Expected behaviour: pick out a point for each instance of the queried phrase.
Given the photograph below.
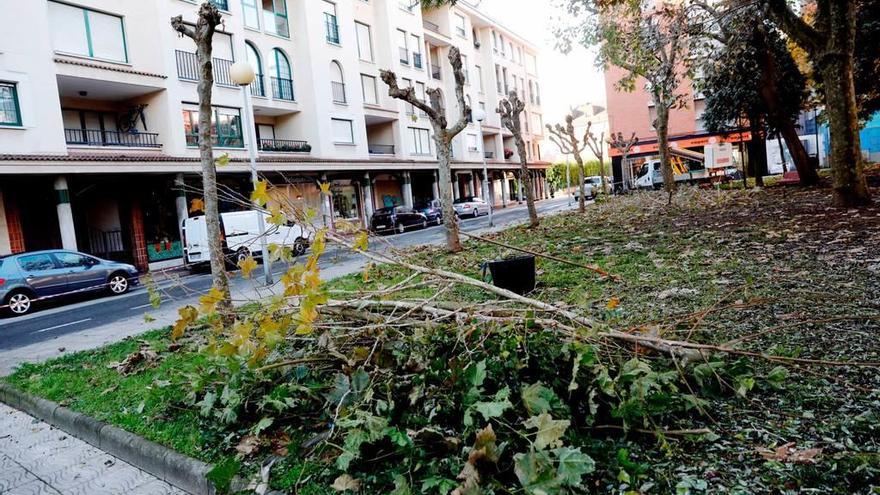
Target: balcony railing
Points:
(332, 28)
(285, 146)
(404, 55)
(431, 26)
(258, 87)
(489, 155)
(381, 149)
(282, 89)
(417, 60)
(188, 68)
(338, 91)
(435, 72)
(97, 137)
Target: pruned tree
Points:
(567, 142)
(511, 110)
(751, 75)
(649, 44)
(203, 35)
(597, 146)
(443, 134)
(829, 43)
(623, 146)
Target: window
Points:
(495, 41)
(479, 71)
(472, 143)
(401, 47)
(417, 52)
(460, 26)
(282, 81)
(537, 94)
(86, 32)
(343, 131)
(422, 93)
(532, 92)
(253, 56)
(370, 89)
(365, 41)
(36, 263)
(498, 83)
(465, 68)
(251, 13)
(72, 260)
(226, 133)
(407, 83)
(10, 112)
(331, 24)
(506, 81)
(470, 115)
(337, 82)
(420, 140)
(275, 17)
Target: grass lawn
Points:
(794, 278)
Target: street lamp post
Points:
(480, 115)
(243, 75)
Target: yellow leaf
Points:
(197, 205)
(613, 303)
(222, 160)
(260, 196)
(276, 217)
(188, 316)
(208, 302)
(247, 265)
(325, 188)
(362, 241)
(366, 273)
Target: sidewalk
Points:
(36, 458)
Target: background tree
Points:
(623, 146)
(203, 34)
(829, 43)
(511, 111)
(749, 74)
(443, 134)
(567, 142)
(649, 45)
(597, 146)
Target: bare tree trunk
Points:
(663, 146)
(453, 240)
(850, 186)
(582, 205)
(527, 180)
(782, 153)
(202, 34)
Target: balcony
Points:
(188, 68)
(435, 72)
(489, 155)
(285, 146)
(282, 89)
(381, 149)
(431, 26)
(98, 137)
(258, 88)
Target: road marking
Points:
(64, 325)
(142, 306)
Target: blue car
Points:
(29, 277)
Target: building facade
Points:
(99, 114)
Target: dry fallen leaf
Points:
(786, 453)
(248, 445)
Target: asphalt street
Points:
(85, 312)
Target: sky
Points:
(566, 80)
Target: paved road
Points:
(88, 313)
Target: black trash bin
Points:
(516, 274)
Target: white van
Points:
(240, 237)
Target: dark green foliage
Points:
(867, 64)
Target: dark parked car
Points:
(397, 218)
(29, 277)
(432, 211)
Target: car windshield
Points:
(384, 211)
(422, 206)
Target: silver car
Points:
(26, 278)
(470, 206)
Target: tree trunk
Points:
(782, 153)
(663, 146)
(453, 241)
(757, 149)
(850, 187)
(209, 175)
(582, 206)
(526, 177)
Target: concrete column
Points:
(519, 188)
(477, 184)
(546, 184)
(455, 186)
(492, 197)
(435, 187)
(65, 214)
(407, 190)
(180, 203)
(367, 184)
(327, 206)
(505, 189)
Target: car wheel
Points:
(425, 223)
(401, 228)
(439, 220)
(19, 303)
(241, 255)
(299, 247)
(118, 284)
(476, 213)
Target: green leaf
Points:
(538, 399)
(476, 374)
(536, 473)
(549, 431)
(401, 486)
(262, 425)
(491, 409)
(777, 376)
(572, 465)
(744, 385)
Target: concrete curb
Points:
(172, 467)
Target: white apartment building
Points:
(99, 114)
